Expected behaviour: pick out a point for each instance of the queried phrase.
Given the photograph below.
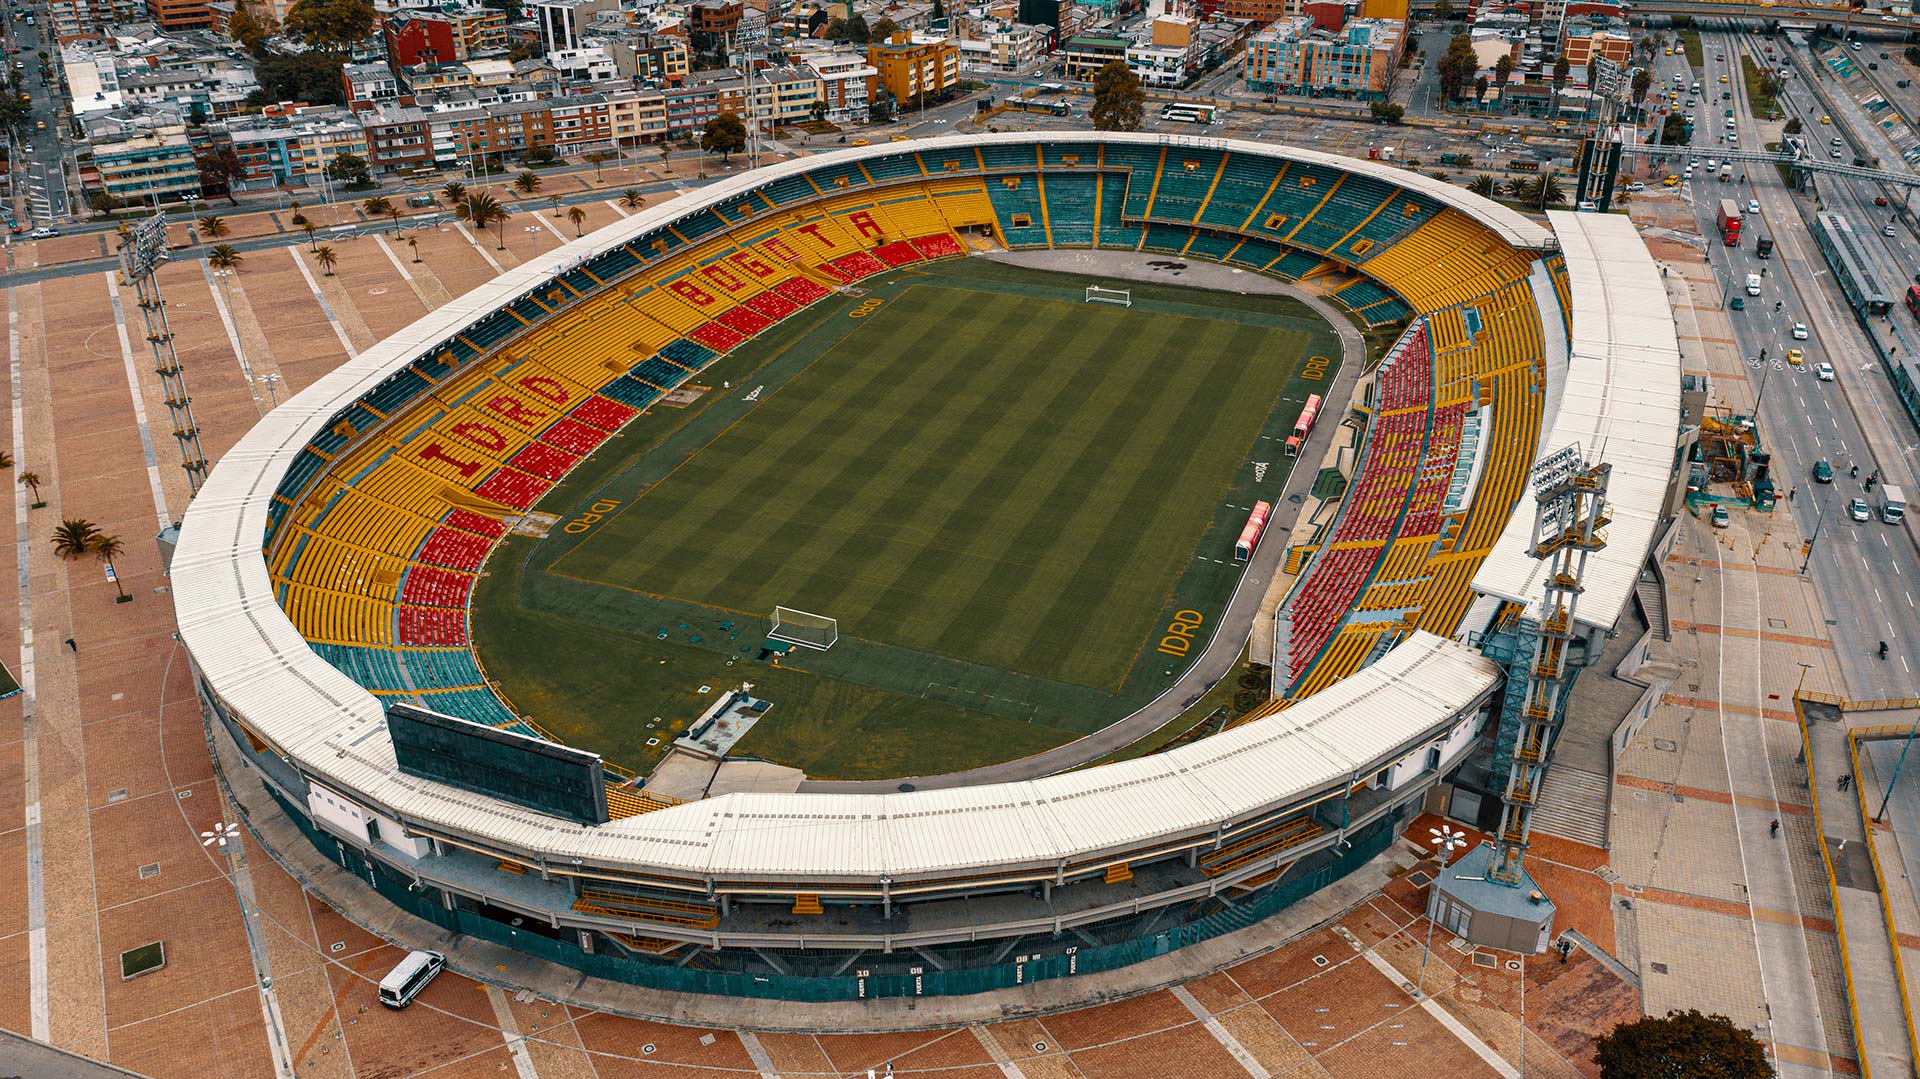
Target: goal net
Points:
(1121, 296)
(804, 629)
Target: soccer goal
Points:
(806, 630)
(1121, 296)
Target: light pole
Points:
(533, 235)
(1895, 778)
(273, 396)
(1446, 840)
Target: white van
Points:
(405, 981)
(1753, 284)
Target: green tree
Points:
(1642, 82)
(1387, 112)
(480, 209)
(196, 115)
(213, 227)
(376, 206)
(885, 29)
(310, 228)
(527, 183)
(31, 481)
(725, 135)
(1484, 186)
(857, 30)
(219, 167)
(351, 170)
(1682, 1045)
(1503, 71)
(103, 203)
(74, 538)
(333, 25)
(1480, 90)
(312, 76)
(1793, 126)
(632, 199)
(325, 256)
(597, 159)
(1457, 67)
(224, 257)
(453, 191)
(1117, 100)
(880, 109)
(578, 216)
(1549, 191)
(105, 549)
(242, 27)
(1443, 10)
(1560, 73)
(1520, 189)
(1673, 132)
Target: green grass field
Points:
(1001, 493)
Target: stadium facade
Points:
(323, 571)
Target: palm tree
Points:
(376, 206)
(666, 156)
(1518, 188)
(224, 257)
(6, 459)
(326, 258)
(396, 213)
(454, 191)
(481, 209)
(1441, 175)
(74, 539)
(527, 183)
(576, 215)
(106, 548)
(1549, 190)
(597, 159)
(309, 228)
(632, 199)
(32, 480)
(1484, 186)
(414, 243)
(555, 199)
(213, 227)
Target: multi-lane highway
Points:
(1868, 572)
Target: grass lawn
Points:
(1690, 40)
(1016, 507)
(1001, 492)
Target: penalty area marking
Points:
(940, 691)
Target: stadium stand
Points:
(385, 506)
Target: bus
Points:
(1187, 112)
(1303, 426)
(1913, 300)
(1052, 108)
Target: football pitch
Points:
(1000, 492)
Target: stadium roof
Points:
(261, 668)
(1621, 405)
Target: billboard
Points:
(541, 775)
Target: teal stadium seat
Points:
(1024, 198)
(1184, 190)
(1070, 209)
(1243, 183)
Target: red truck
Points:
(1730, 222)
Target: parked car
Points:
(1824, 370)
(44, 232)
(1823, 471)
(1857, 509)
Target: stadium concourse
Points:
(323, 572)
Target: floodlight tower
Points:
(143, 247)
(1569, 524)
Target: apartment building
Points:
(442, 35)
(180, 15)
(1297, 56)
(907, 67)
(72, 18)
(700, 97)
(654, 58)
(844, 81)
(563, 23)
(146, 166)
(1085, 54)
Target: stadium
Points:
(324, 574)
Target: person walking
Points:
(1773, 828)
(70, 644)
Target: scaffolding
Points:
(143, 247)
(1569, 525)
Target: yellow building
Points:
(909, 68)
